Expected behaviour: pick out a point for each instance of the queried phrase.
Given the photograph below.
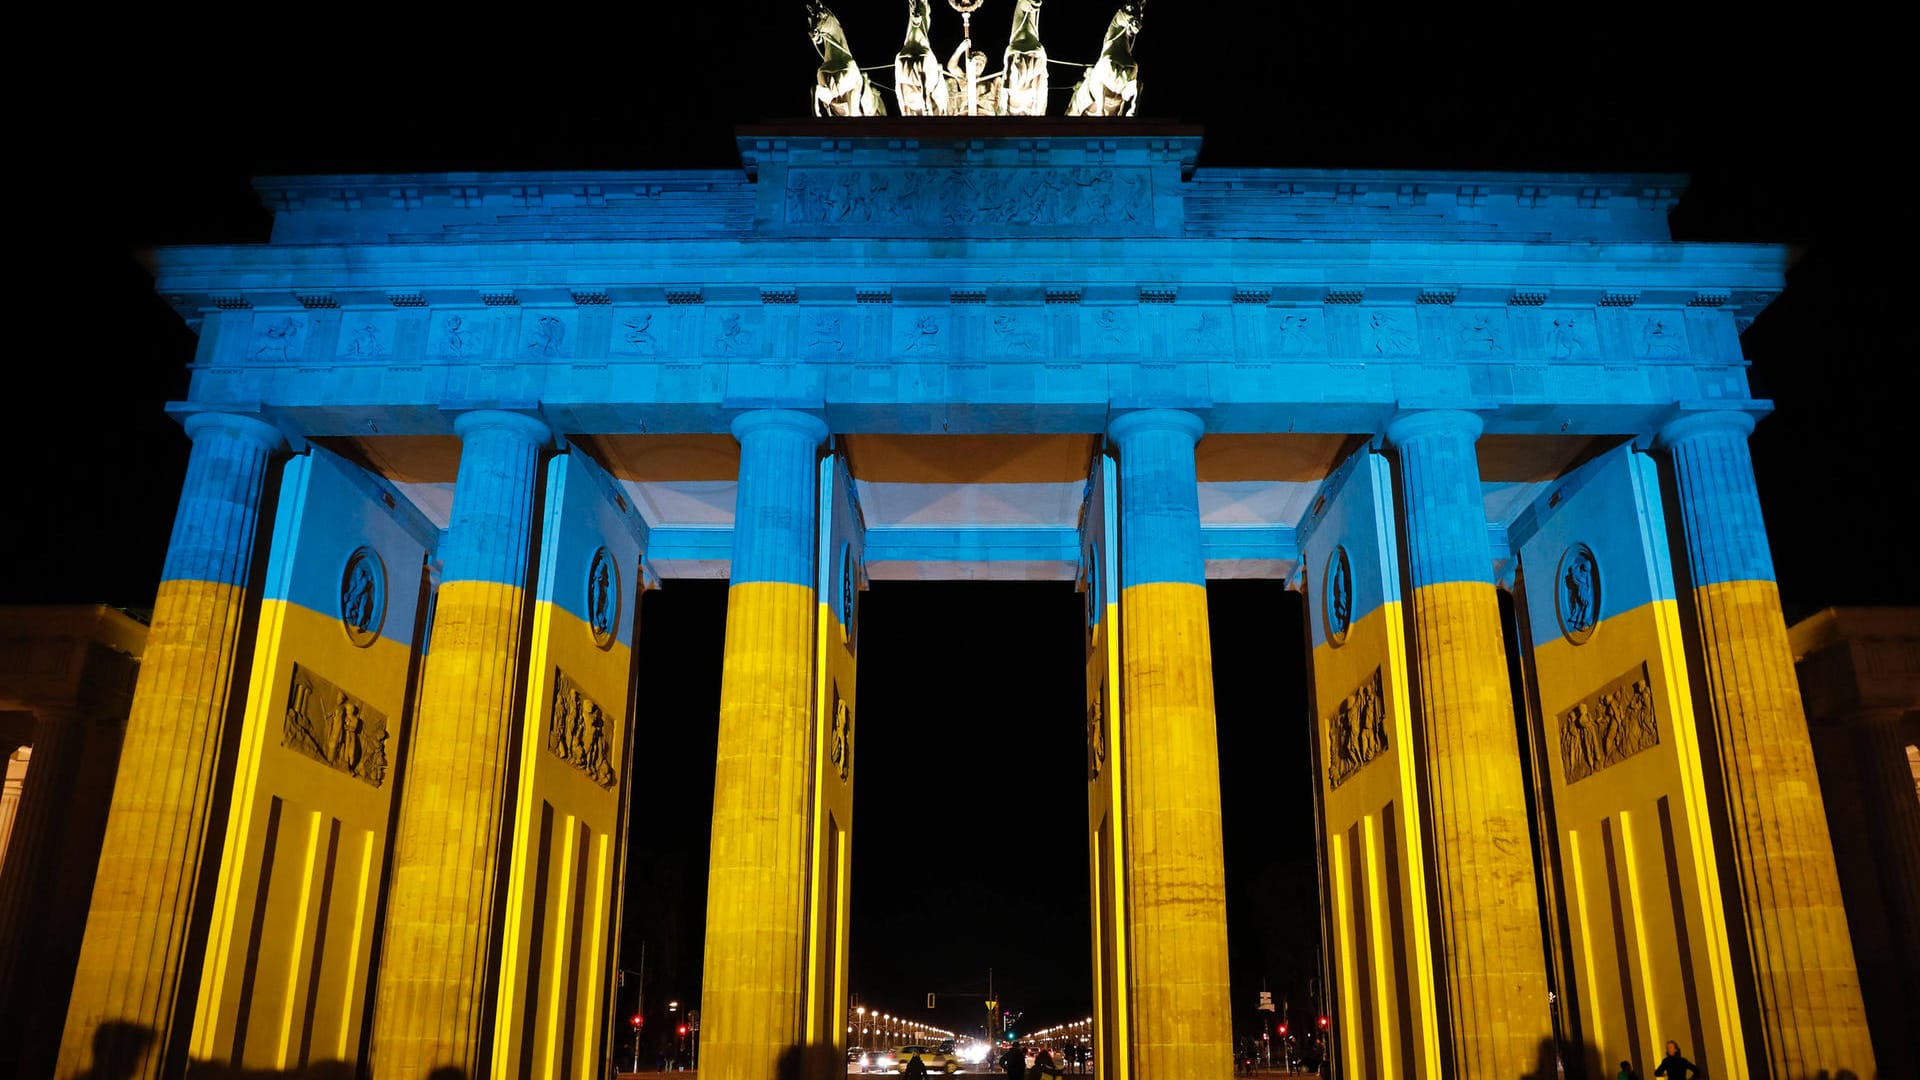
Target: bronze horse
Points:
(840, 88)
(1111, 86)
(918, 84)
(1023, 87)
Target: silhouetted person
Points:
(1014, 1062)
(1626, 1072)
(1043, 1066)
(916, 1069)
(1675, 1067)
(118, 1050)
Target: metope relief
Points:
(1387, 333)
(951, 197)
(1570, 335)
(366, 336)
(278, 338)
(1097, 734)
(1299, 332)
(924, 333)
(334, 728)
(1610, 726)
(1658, 334)
(546, 334)
(1357, 733)
(636, 333)
(1479, 332)
(577, 731)
(458, 335)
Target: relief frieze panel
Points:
(331, 726)
(1357, 731)
(1021, 198)
(1609, 726)
(577, 731)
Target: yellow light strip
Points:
(301, 937)
(350, 988)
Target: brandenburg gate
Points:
(448, 428)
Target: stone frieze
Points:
(1609, 726)
(335, 728)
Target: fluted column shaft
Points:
(1811, 1013)
(1491, 957)
(144, 895)
(430, 1005)
(752, 993)
(1176, 869)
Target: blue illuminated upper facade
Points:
(1027, 278)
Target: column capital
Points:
(236, 424)
(760, 419)
(1719, 422)
(1407, 426)
(1127, 425)
(531, 428)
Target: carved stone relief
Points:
(366, 336)
(1357, 732)
(603, 598)
(1570, 335)
(1577, 593)
(1029, 197)
(1016, 333)
(458, 335)
(1658, 333)
(1610, 726)
(924, 334)
(840, 740)
(1479, 332)
(363, 596)
(636, 334)
(1097, 734)
(577, 731)
(278, 337)
(546, 335)
(334, 728)
(1387, 333)
(1300, 333)
(1338, 600)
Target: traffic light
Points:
(1283, 1029)
(637, 1021)
(1323, 1023)
(683, 1031)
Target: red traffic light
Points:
(637, 1021)
(1323, 1021)
(683, 1029)
(1283, 1029)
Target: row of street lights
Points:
(864, 1024)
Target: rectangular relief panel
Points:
(556, 950)
(1645, 956)
(840, 577)
(285, 980)
(1100, 586)
(1385, 1014)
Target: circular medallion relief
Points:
(1337, 607)
(363, 596)
(848, 588)
(603, 597)
(1577, 593)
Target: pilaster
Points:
(146, 897)
(1175, 870)
(430, 1009)
(1811, 1015)
(752, 992)
(1492, 964)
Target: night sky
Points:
(970, 811)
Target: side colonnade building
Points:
(447, 428)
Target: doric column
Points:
(15, 764)
(752, 992)
(1176, 871)
(433, 978)
(1808, 990)
(144, 895)
(1487, 909)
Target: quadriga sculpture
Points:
(918, 83)
(840, 89)
(1111, 86)
(1023, 85)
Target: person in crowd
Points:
(1674, 1066)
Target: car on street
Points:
(935, 1059)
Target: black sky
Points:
(1789, 121)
